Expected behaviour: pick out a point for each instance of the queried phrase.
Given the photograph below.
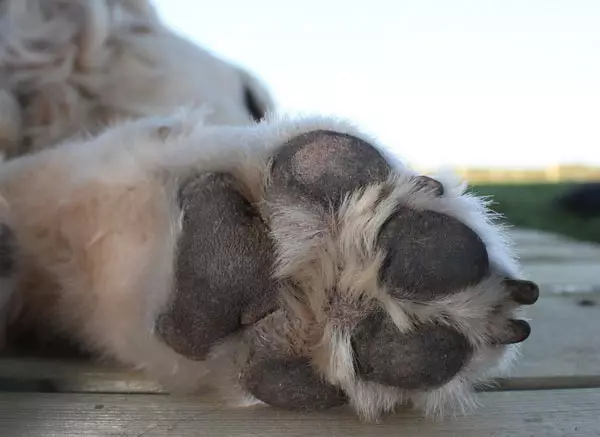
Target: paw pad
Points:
(223, 267)
(281, 378)
(429, 254)
(423, 358)
(324, 166)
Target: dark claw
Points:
(425, 182)
(523, 292)
(517, 332)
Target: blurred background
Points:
(504, 92)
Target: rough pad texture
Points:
(281, 377)
(424, 358)
(323, 166)
(430, 255)
(223, 271)
(291, 384)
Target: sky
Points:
(495, 83)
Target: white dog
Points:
(289, 262)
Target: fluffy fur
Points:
(95, 216)
(71, 67)
(97, 225)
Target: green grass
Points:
(530, 205)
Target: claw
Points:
(517, 332)
(523, 292)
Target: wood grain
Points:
(532, 237)
(538, 413)
(564, 339)
(71, 376)
(557, 262)
(564, 345)
(550, 274)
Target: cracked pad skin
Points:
(223, 267)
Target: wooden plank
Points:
(564, 340)
(541, 247)
(558, 264)
(564, 348)
(525, 413)
(563, 351)
(526, 236)
(562, 252)
(51, 375)
(572, 274)
(573, 289)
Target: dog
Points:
(286, 261)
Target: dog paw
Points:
(397, 291)
(351, 282)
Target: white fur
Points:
(87, 201)
(77, 65)
(120, 110)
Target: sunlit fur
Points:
(71, 67)
(97, 221)
(97, 224)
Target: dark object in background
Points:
(582, 200)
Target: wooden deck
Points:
(554, 391)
